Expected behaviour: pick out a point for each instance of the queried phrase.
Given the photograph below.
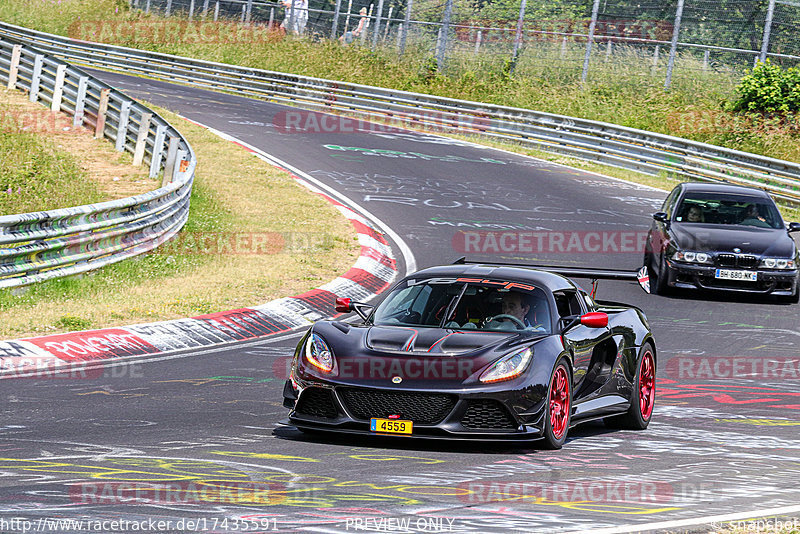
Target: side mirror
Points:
(660, 216)
(344, 305)
(595, 320)
(794, 227)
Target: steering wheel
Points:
(505, 316)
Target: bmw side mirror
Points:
(660, 216)
(794, 227)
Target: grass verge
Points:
(46, 163)
(240, 247)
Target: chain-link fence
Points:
(568, 40)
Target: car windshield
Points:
(465, 304)
(740, 210)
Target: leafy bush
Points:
(770, 89)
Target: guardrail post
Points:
(58, 89)
(608, 50)
(376, 32)
(172, 156)
(147, 7)
(36, 77)
(564, 47)
(249, 11)
(80, 101)
(674, 46)
(767, 30)
(271, 17)
(122, 127)
(191, 9)
(205, 9)
(158, 151)
(183, 163)
(216, 11)
(590, 40)
(335, 24)
(13, 70)
(141, 138)
(102, 110)
(478, 41)
(406, 26)
(168, 11)
(706, 55)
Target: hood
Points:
(423, 357)
(721, 238)
(431, 340)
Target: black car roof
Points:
(723, 188)
(540, 278)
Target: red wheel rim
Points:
(647, 385)
(559, 402)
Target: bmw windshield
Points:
(738, 210)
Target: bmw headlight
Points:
(777, 263)
(318, 353)
(693, 257)
(509, 366)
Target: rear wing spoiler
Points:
(641, 276)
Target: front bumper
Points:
(478, 415)
(690, 276)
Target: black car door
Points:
(580, 340)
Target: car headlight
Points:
(777, 263)
(509, 366)
(318, 353)
(692, 257)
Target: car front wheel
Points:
(559, 406)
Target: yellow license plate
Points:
(391, 426)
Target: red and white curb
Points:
(371, 274)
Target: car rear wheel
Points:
(559, 406)
(643, 398)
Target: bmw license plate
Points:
(726, 274)
(391, 426)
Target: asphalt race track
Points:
(206, 423)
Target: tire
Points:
(558, 412)
(660, 287)
(643, 397)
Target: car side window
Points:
(568, 303)
(669, 204)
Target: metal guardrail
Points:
(642, 151)
(51, 244)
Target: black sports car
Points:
(724, 237)
(482, 351)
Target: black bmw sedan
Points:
(722, 237)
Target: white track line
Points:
(408, 256)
